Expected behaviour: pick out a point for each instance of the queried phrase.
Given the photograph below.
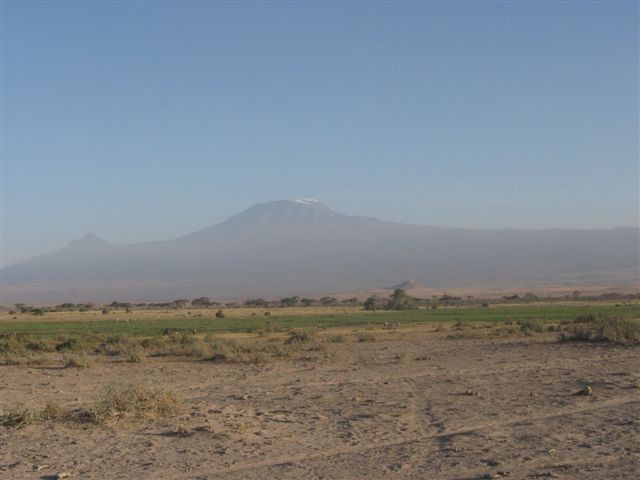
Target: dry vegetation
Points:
(119, 402)
(83, 350)
(590, 328)
(520, 398)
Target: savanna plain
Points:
(500, 391)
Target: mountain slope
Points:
(303, 247)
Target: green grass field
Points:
(151, 325)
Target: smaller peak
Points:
(88, 240)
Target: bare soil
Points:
(410, 404)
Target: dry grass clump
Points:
(531, 326)
(135, 354)
(76, 361)
(77, 351)
(365, 337)
(12, 359)
(16, 347)
(335, 339)
(619, 330)
(22, 416)
(132, 401)
(298, 336)
(122, 401)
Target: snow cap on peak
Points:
(306, 201)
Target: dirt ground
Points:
(407, 405)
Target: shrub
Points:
(220, 313)
(135, 354)
(588, 318)
(270, 327)
(335, 339)
(68, 344)
(297, 336)
(76, 361)
(618, 330)
(365, 337)
(529, 326)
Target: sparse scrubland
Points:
(526, 391)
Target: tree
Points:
(329, 301)
(181, 302)
(256, 302)
(352, 302)
(372, 303)
(22, 308)
(201, 302)
(289, 301)
(400, 300)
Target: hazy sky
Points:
(146, 121)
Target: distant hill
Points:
(408, 285)
(302, 247)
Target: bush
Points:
(76, 361)
(135, 354)
(619, 330)
(220, 313)
(529, 326)
(297, 336)
(588, 318)
(335, 339)
(365, 337)
(68, 344)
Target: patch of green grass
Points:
(150, 327)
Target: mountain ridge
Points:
(303, 246)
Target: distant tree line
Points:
(399, 300)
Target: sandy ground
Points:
(370, 410)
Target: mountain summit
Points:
(283, 212)
(303, 247)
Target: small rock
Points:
(585, 391)
(471, 393)
(62, 475)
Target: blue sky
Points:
(146, 121)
